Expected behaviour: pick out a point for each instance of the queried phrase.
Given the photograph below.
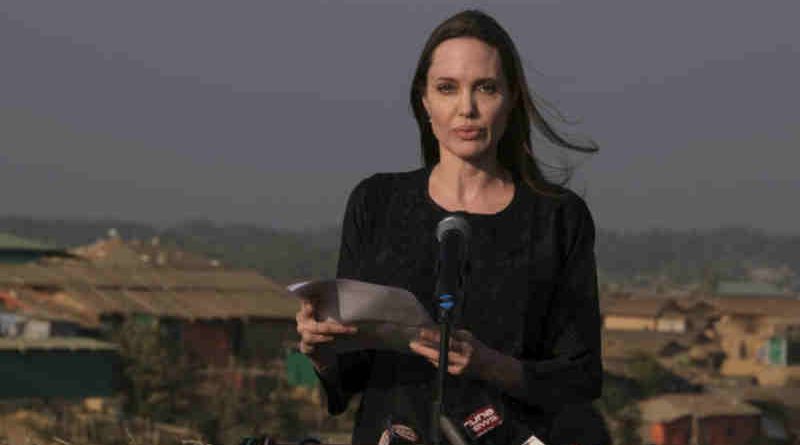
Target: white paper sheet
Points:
(387, 317)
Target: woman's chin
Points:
(469, 151)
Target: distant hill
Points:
(691, 255)
(680, 256)
(282, 255)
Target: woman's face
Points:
(467, 98)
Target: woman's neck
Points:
(466, 185)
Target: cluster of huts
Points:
(58, 309)
(738, 344)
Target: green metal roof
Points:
(55, 343)
(13, 242)
(748, 288)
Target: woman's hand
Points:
(315, 333)
(466, 356)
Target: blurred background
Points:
(167, 167)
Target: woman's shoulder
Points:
(385, 181)
(563, 213)
(559, 199)
(372, 191)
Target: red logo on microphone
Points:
(482, 421)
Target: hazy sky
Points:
(269, 112)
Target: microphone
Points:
(453, 233)
(398, 434)
(451, 432)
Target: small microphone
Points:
(453, 233)
(398, 434)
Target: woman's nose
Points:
(466, 105)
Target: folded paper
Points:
(386, 317)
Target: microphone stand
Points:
(446, 304)
(453, 232)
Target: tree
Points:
(648, 372)
(158, 379)
(629, 422)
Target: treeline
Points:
(692, 256)
(681, 256)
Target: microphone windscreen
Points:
(453, 222)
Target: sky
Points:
(270, 112)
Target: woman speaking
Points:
(529, 337)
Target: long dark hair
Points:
(514, 150)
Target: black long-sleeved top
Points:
(531, 293)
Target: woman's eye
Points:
(488, 88)
(445, 88)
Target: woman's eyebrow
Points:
(481, 80)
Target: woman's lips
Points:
(470, 133)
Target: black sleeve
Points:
(568, 367)
(351, 372)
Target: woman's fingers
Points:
(423, 350)
(327, 327)
(306, 322)
(314, 332)
(306, 306)
(309, 340)
(432, 354)
(459, 356)
(324, 328)
(332, 326)
(459, 342)
(429, 335)
(306, 312)
(316, 338)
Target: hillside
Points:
(677, 256)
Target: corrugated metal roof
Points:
(745, 305)
(762, 306)
(646, 306)
(83, 290)
(748, 288)
(81, 295)
(56, 307)
(55, 343)
(668, 407)
(78, 274)
(13, 242)
(86, 307)
(118, 252)
(620, 344)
